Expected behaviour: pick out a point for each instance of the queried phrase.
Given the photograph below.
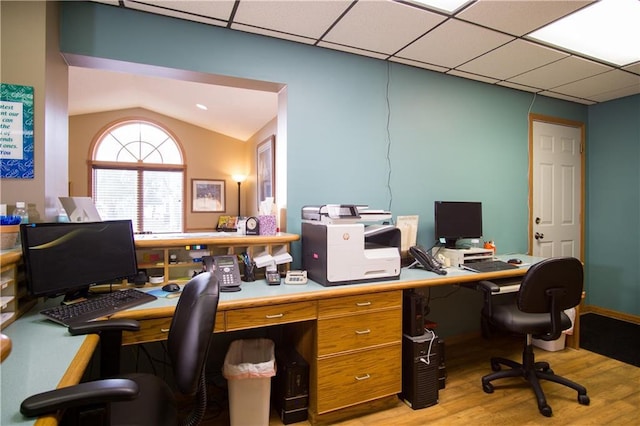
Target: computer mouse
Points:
(171, 287)
(514, 261)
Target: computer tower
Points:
(420, 370)
(412, 313)
(442, 370)
(290, 387)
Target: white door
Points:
(556, 188)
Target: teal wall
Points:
(613, 205)
(447, 138)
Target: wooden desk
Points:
(42, 350)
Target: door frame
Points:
(563, 122)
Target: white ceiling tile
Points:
(519, 17)
(472, 76)
(111, 2)
(518, 86)
(512, 59)
(382, 26)
(418, 64)
(633, 68)
(453, 43)
(560, 72)
(208, 12)
(566, 98)
(348, 49)
(603, 86)
(275, 34)
(303, 18)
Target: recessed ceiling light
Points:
(202, 107)
(607, 30)
(443, 5)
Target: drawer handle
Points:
(365, 377)
(363, 304)
(361, 332)
(274, 316)
(164, 330)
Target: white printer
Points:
(337, 248)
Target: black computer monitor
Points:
(455, 220)
(67, 258)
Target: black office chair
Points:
(548, 288)
(145, 399)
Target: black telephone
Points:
(427, 261)
(226, 269)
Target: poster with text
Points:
(16, 131)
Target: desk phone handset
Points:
(226, 270)
(427, 261)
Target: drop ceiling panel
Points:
(384, 27)
(453, 43)
(304, 18)
(602, 86)
(566, 97)
(633, 68)
(512, 59)
(270, 33)
(472, 76)
(519, 17)
(208, 12)
(418, 64)
(560, 72)
(353, 50)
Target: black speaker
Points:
(420, 370)
(412, 313)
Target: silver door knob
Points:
(538, 236)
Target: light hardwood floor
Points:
(612, 386)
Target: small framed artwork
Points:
(265, 168)
(208, 196)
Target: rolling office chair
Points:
(548, 288)
(145, 399)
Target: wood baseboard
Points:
(635, 319)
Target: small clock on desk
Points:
(253, 226)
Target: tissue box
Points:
(267, 224)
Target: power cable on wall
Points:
(389, 137)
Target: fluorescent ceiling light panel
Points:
(608, 30)
(443, 5)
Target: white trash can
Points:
(248, 368)
(559, 343)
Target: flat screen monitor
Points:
(66, 258)
(455, 220)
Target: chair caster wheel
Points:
(545, 411)
(487, 387)
(584, 399)
(495, 366)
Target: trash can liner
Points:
(250, 359)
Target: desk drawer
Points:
(156, 329)
(238, 319)
(359, 331)
(355, 378)
(359, 303)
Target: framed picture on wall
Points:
(207, 196)
(265, 169)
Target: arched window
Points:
(138, 174)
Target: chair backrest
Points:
(192, 329)
(563, 273)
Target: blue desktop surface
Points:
(42, 350)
